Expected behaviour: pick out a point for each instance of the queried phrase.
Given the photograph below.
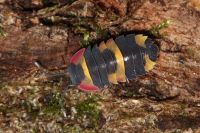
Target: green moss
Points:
(48, 9)
(2, 31)
(89, 131)
(54, 105)
(1, 86)
(72, 129)
(91, 36)
(35, 130)
(32, 111)
(89, 108)
(114, 17)
(155, 30)
(129, 93)
(101, 33)
(183, 111)
(76, 129)
(125, 115)
(86, 39)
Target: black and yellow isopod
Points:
(116, 60)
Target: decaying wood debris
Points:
(167, 99)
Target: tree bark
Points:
(34, 31)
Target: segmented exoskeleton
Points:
(116, 60)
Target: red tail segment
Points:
(88, 88)
(77, 56)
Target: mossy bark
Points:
(51, 32)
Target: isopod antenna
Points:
(52, 75)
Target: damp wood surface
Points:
(167, 99)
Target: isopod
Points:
(116, 60)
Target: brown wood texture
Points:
(34, 31)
